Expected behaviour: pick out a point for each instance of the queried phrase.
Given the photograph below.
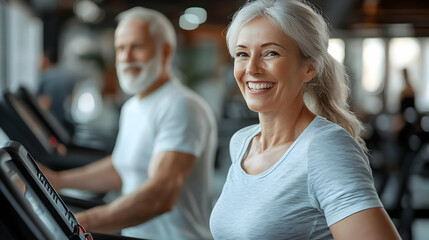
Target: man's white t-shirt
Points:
(172, 118)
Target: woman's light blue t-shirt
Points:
(322, 178)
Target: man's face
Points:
(134, 43)
(138, 63)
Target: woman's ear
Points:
(310, 70)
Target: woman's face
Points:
(268, 67)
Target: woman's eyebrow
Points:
(263, 45)
(271, 43)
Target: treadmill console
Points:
(32, 208)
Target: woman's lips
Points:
(260, 87)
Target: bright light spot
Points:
(191, 18)
(86, 103)
(373, 64)
(88, 11)
(200, 13)
(185, 24)
(403, 51)
(337, 49)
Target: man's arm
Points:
(168, 172)
(99, 176)
(371, 224)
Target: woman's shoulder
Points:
(328, 138)
(328, 132)
(329, 141)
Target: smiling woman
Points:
(302, 173)
(268, 67)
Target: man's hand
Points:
(52, 176)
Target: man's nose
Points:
(126, 55)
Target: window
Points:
(24, 47)
(404, 53)
(373, 57)
(337, 49)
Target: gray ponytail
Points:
(325, 95)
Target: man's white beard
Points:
(149, 73)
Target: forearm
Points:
(167, 175)
(99, 176)
(130, 210)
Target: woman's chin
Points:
(255, 107)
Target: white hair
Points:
(327, 93)
(160, 27)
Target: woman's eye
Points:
(240, 54)
(272, 53)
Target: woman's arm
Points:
(369, 224)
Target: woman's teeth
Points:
(260, 86)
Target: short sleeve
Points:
(181, 128)
(339, 175)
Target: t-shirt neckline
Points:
(256, 131)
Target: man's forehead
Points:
(131, 25)
(132, 29)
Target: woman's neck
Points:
(283, 127)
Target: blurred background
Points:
(61, 53)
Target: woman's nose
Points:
(254, 65)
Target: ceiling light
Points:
(185, 24)
(88, 11)
(200, 13)
(191, 18)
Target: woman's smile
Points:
(268, 67)
(259, 87)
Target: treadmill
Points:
(21, 123)
(58, 130)
(31, 208)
